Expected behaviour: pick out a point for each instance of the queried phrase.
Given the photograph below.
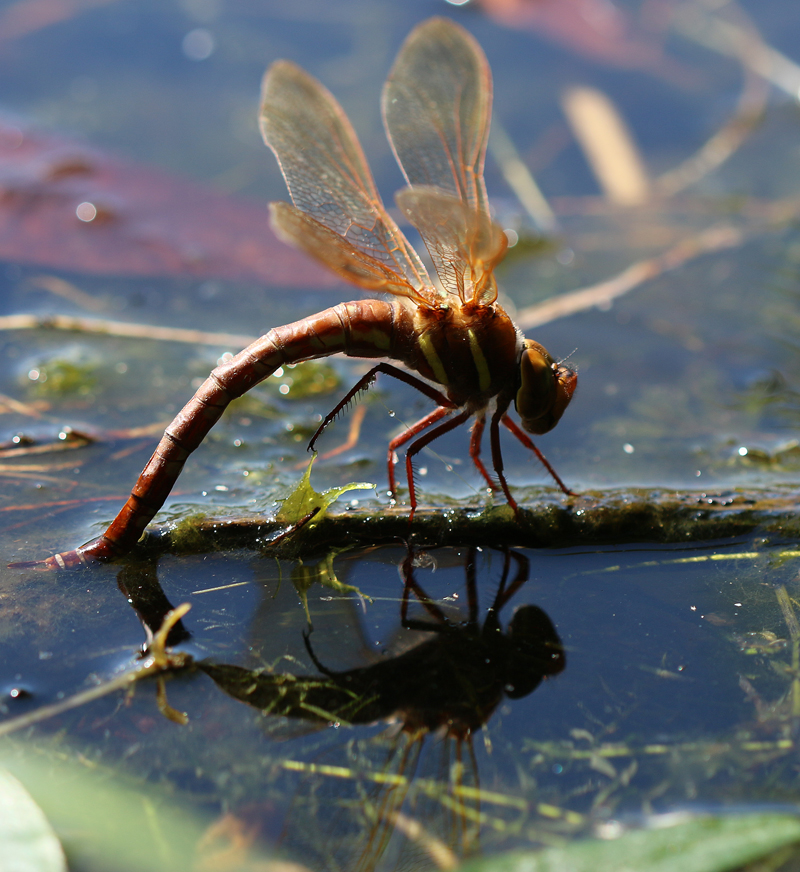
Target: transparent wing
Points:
(437, 108)
(337, 253)
(465, 245)
(329, 180)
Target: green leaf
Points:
(27, 841)
(704, 844)
(304, 577)
(304, 499)
(109, 821)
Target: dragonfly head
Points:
(545, 389)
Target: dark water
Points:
(618, 682)
(674, 683)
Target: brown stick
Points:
(104, 327)
(603, 293)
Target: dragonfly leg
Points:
(417, 446)
(504, 594)
(497, 454)
(472, 588)
(475, 450)
(509, 423)
(410, 583)
(407, 575)
(364, 384)
(314, 659)
(431, 418)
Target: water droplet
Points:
(86, 212)
(198, 44)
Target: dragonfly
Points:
(456, 343)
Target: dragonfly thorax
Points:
(545, 388)
(472, 351)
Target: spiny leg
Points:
(367, 380)
(529, 444)
(410, 433)
(417, 446)
(475, 449)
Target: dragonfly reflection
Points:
(449, 684)
(455, 679)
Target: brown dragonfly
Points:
(450, 330)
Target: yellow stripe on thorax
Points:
(484, 376)
(434, 361)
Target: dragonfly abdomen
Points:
(363, 328)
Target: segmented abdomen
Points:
(363, 328)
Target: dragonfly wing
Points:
(328, 177)
(437, 104)
(465, 245)
(436, 108)
(337, 253)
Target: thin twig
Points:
(18, 407)
(72, 439)
(68, 291)
(520, 179)
(122, 329)
(725, 141)
(603, 293)
(158, 661)
(608, 145)
(412, 829)
(739, 41)
(792, 624)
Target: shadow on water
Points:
(447, 684)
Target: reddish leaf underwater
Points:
(142, 222)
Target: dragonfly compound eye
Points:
(545, 389)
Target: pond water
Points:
(641, 671)
(618, 683)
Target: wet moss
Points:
(593, 519)
(62, 378)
